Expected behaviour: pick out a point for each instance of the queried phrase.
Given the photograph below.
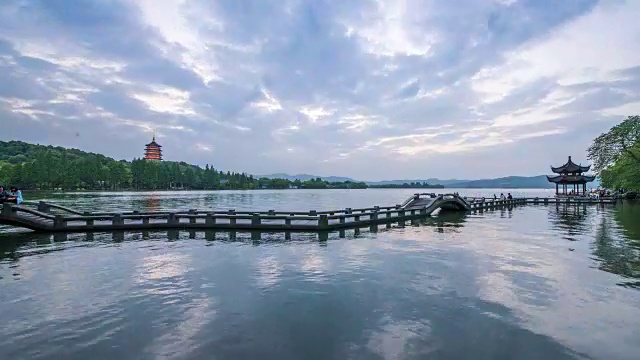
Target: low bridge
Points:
(47, 217)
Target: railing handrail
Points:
(33, 212)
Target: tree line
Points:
(30, 166)
(616, 155)
(411, 185)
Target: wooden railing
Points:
(44, 218)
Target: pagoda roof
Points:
(153, 143)
(570, 167)
(571, 179)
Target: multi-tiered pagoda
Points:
(571, 174)
(153, 151)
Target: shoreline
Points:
(217, 190)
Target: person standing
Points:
(3, 195)
(15, 195)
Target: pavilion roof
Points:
(571, 179)
(570, 167)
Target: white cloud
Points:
(390, 29)
(589, 48)
(315, 113)
(358, 82)
(170, 18)
(268, 103)
(167, 100)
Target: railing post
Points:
(89, 221)
(59, 222)
(323, 221)
(347, 211)
(117, 219)
(7, 210)
(43, 207)
(192, 213)
(373, 216)
(313, 213)
(287, 221)
(256, 220)
(145, 221)
(342, 219)
(210, 220)
(272, 212)
(172, 220)
(232, 221)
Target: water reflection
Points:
(617, 244)
(501, 284)
(152, 203)
(571, 219)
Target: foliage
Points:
(621, 140)
(616, 155)
(625, 174)
(31, 166)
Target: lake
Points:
(528, 282)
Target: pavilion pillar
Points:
(556, 188)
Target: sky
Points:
(370, 89)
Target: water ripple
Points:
(530, 282)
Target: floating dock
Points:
(47, 217)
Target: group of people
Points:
(502, 197)
(14, 195)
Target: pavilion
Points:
(571, 174)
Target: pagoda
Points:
(571, 174)
(153, 151)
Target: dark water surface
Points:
(531, 282)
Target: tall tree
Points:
(616, 155)
(621, 140)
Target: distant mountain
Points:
(509, 182)
(305, 177)
(432, 181)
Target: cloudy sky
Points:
(372, 89)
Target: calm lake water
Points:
(531, 282)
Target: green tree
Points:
(621, 140)
(616, 155)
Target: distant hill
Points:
(305, 177)
(509, 182)
(432, 181)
